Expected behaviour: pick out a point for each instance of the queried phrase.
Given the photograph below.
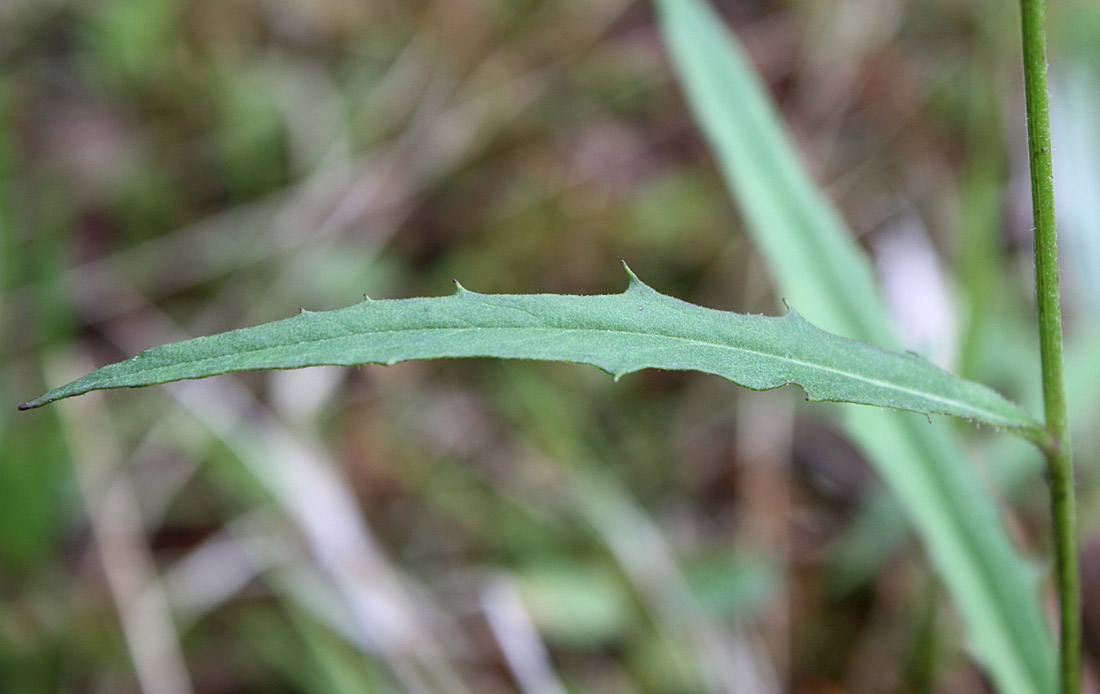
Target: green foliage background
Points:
(176, 168)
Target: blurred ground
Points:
(182, 167)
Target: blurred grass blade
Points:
(821, 270)
(619, 333)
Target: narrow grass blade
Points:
(619, 333)
(821, 270)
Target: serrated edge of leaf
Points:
(634, 286)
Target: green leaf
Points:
(619, 333)
(821, 270)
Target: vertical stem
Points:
(1059, 460)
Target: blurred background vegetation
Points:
(173, 168)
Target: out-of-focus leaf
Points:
(733, 586)
(821, 270)
(1075, 110)
(575, 603)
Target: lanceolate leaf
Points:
(619, 333)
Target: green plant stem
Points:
(1059, 459)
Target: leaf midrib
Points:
(979, 412)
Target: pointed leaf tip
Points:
(634, 282)
(791, 311)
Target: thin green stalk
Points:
(1059, 459)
